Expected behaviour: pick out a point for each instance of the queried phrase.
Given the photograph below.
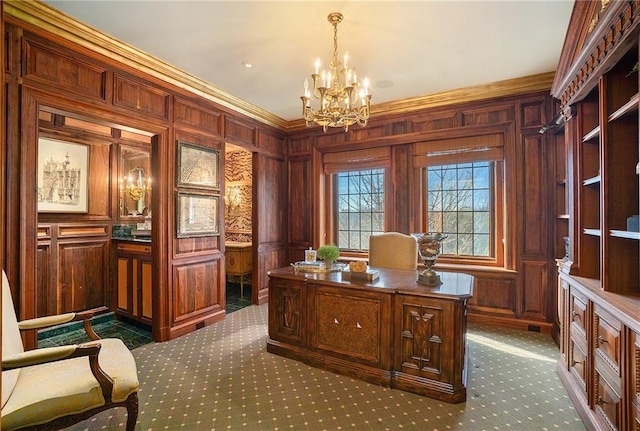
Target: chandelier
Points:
(342, 100)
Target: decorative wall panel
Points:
(55, 68)
(142, 98)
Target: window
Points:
(359, 207)
(460, 203)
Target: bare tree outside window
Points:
(360, 207)
(459, 204)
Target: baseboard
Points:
(507, 322)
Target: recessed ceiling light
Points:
(384, 84)
(247, 64)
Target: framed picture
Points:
(198, 166)
(62, 176)
(197, 215)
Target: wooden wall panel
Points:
(300, 236)
(425, 123)
(53, 67)
(99, 198)
(534, 287)
(535, 238)
(300, 145)
(493, 296)
(82, 275)
(140, 97)
(533, 114)
(270, 143)
(270, 223)
(483, 116)
(45, 298)
(239, 132)
(198, 117)
(197, 289)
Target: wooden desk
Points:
(238, 260)
(391, 331)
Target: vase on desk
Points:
(429, 248)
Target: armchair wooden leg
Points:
(132, 411)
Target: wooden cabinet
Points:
(390, 331)
(597, 85)
(133, 281)
(238, 261)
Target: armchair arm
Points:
(48, 321)
(52, 354)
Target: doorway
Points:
(238, 175)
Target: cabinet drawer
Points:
(607, 334)
(578, 364)
(578, 313)
(134, 248)
(607, 403)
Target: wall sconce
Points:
(135, 186)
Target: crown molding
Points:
(45, 17)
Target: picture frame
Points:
(63, 172)
(197, 215)
(197, 166)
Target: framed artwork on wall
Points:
(198, 166)
(62, 176)
(197, 215)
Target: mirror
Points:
(135, 182)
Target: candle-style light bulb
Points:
(366, 85)
(317, 65)
(346, 57)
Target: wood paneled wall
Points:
(289, 189)
(50, 256)
(519, 294)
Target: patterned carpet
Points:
(221, 378)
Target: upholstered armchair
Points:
(393, 250)
(55, 387)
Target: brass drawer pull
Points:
(601, 401)
(574, 363)
(601, 340)
(574, 315)
(335, 321)
(358, 325)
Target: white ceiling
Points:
(419, 47)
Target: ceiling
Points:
(406, 49)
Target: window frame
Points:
(498, 216)
(334, 215)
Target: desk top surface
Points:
(454, 284)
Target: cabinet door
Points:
(146, 293)
(123, 288)
(351, 324)
(426, 337)
(287, 299)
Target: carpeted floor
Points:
(221, 378)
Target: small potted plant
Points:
(328, 253)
